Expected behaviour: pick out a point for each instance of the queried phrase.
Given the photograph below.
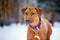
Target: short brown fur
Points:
(45, 30)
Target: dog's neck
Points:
(36, 24)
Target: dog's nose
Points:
(27, 21)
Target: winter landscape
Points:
(19, 32)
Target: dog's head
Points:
(32, 14)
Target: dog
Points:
(39, 28)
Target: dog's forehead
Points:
(30, 9)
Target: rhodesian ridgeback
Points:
(39, 28)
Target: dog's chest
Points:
(37, 37)
(37, 34)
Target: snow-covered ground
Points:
(19, 32)
(56, 31)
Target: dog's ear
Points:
(39, 11)
(23, 10)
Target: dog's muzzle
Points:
(27, 21)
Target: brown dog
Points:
(39, 28)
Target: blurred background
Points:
(12, 22)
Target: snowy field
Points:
(19, 32)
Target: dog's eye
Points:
(26, 13)
(32, 13)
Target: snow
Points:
(13, 32)
(19, 32)
(56, 31)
